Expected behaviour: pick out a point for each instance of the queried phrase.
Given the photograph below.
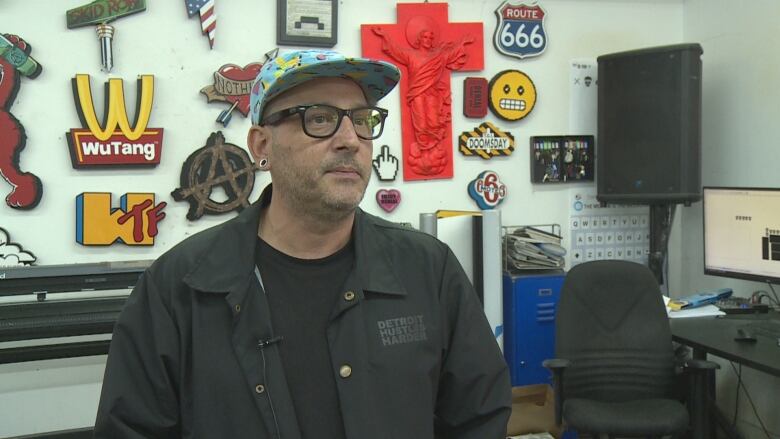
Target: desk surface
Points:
(715, 335)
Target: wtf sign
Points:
(133, 223)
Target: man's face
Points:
(322, 176)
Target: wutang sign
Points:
(114, 143)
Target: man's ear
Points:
(258, 140)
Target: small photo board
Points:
(562, 159)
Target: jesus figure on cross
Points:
(428, 96)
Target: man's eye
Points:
(320, 119)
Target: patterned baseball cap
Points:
(280, 74)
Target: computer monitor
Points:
(742, 233)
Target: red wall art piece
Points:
(426, 47)
(15, 60)
(475, 91)
(114, 143)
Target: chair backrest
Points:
(612, 326)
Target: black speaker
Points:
(649, 126)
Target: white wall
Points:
(740, 113)
(163, 42)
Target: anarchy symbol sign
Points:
(218, 164)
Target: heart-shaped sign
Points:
(232, 83)
(239, 83)
(388, 199)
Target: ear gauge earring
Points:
(263, 163)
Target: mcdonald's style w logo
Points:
(114, 142)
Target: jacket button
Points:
(259, 388)
(349, 296)
(345, 371)
(238, 307)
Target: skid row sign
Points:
(133, 223)
(486, 141)
(115, 143)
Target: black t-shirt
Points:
(301, 295)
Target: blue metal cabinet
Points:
(530, 303)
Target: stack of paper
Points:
(702, 311)
(528, 248)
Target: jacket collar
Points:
(372, 257)
(228, 264)
(228, 260)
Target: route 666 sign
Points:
(520, 30)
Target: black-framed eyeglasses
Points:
(321, 120)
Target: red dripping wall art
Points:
(15, 60)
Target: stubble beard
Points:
(311, 195)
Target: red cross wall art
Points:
(426, 47)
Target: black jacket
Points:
(185, 362)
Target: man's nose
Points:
(346, 136)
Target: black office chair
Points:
(614, 374)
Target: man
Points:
(305, 317)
